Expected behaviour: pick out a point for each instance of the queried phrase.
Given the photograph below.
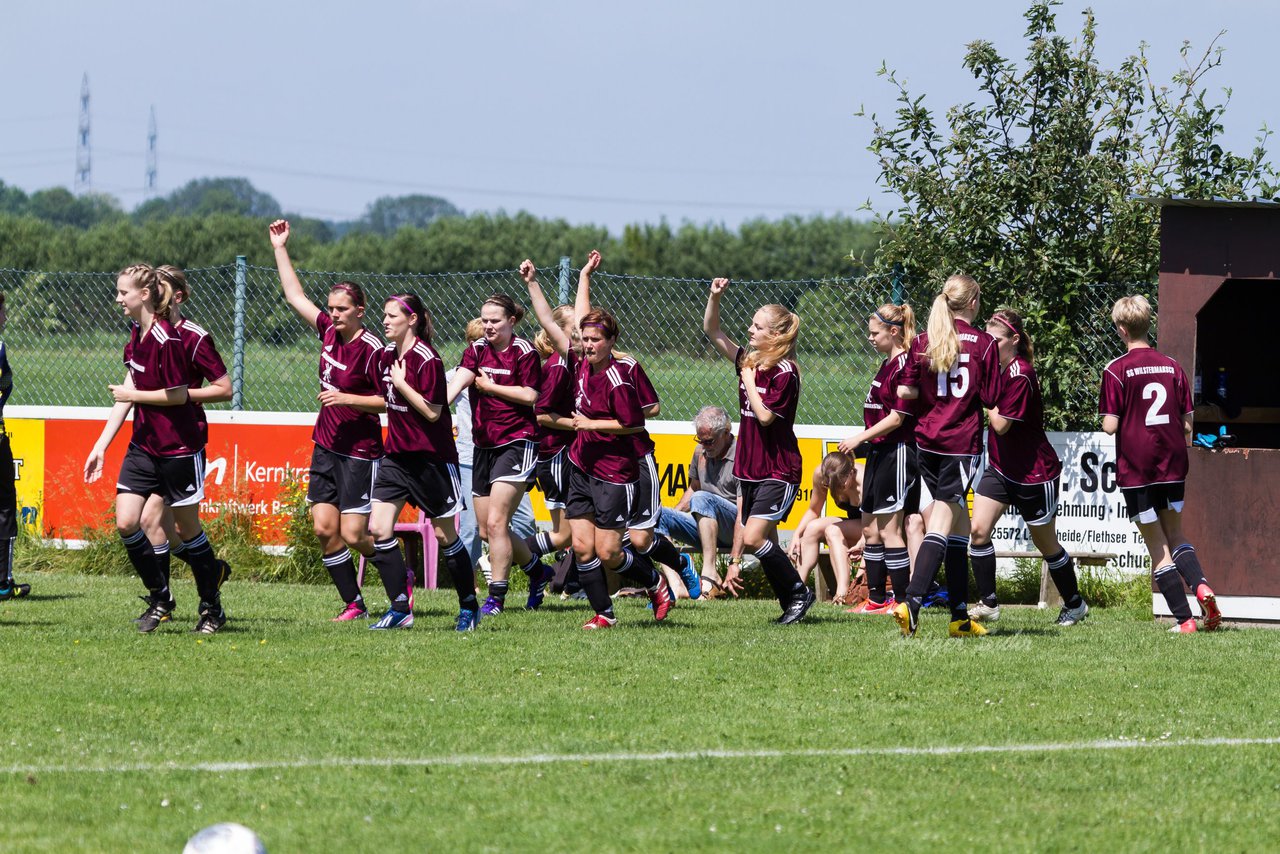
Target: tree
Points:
(389, 214)
(1031, 186)
(205, 196)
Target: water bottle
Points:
(1222, 384)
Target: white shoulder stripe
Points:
(371, 339)
(195, 327)
(390, 346)
(159, 334)
(424, 351)
(615, 376)
(523, 345)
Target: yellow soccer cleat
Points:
(966, 629)
(907, 621)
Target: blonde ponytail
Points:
(944, 345)
(784, 328)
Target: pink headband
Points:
(599, 326)
(343, 286)
(998, 319)
(403, 304)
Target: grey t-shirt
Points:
(716, 476)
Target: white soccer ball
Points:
(226, 838)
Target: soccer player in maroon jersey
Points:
(767, 463)
(837, 476)
(954, 369)
(347, 435)
(604, 468)
(204, 365)
(166, 451)
(421, 465)
(1022, 470)
(890, 484)
(504, 373)
(647, 543)
(1146, 404)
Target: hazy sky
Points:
(593, 111)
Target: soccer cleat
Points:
(1071, 616)
(661, 598)
(984, 613)
(6, 593)
(353, 611)
(1186, 627)
(538, 581)
(157, 612)
(797, 608)
(692, 581)
(1209, 607)
(211, 619)
(394, 620)
(937, 597)
(491, 606)
(967, 628)
(600, 621)
(869, 607)
(908, 618)
(14, 591)
(468, 619)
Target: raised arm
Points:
(542, 309)
(293, 293)
(582, 303)
(711, 321)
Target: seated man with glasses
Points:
(707, 514)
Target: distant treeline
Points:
(209, 222)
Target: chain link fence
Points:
(65, 334)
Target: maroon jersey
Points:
(948, 411)
(408, 432)
(606, 394)
(1148, 392)
(882, 398)
(555, 397)
(646, 394)
(496, 422)
(350, 367)
(1023, 454)
(156, 361)
(769, 453)
(203, 364)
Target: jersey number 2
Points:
(1157, 395)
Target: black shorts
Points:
(1037, 503)
(344, 482)
(422, 480)
(647, 506)
(891, 481)
(949, 478)
(607, 505)
(178, 480)
(1144, 502)
(767, 499)
(515, 463)
(553, 479)
(8, 494)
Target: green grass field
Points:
(713, 731)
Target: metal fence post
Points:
(565, 263)
(237, 359)
(899, 289)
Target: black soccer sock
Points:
(897, 562)
(389, 560)
(143, 558)
(1170, 584)
(6, 562)
(463, 574)
(204, 566)
(663, 551)
(984, 571)
(1062, 569)
(873, 563)
(781, 572)
(1184, 557)
(956, 566)
(591, 576)
(498, 591)
(539, 544)
(637, 569)
(342, 569)
(180, 552)
(162, 560)
(535, 561)
(928, 559)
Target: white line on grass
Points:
(663, 756)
